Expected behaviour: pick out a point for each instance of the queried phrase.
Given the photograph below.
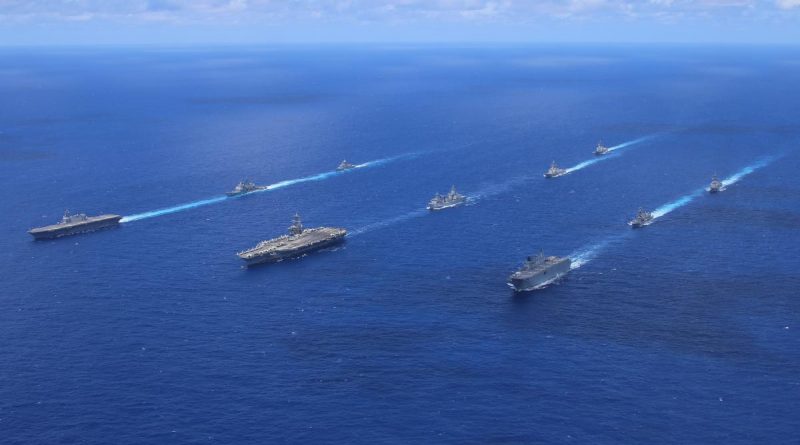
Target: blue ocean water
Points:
(683, 332)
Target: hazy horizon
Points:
(260, 22)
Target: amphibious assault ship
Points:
(345, 166)
(716, 185)
(554, 171)
(452, 199)
(298, 242)
(74, 224)
(642, 219)
(539, 271)
(243, 187)
(600, 149)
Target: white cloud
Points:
(788, 4)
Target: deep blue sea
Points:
(687, 331)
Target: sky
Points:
(110, 22)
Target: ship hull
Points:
(278, 256)
(542, 278)
(638, 225)
(75, 229)
(554, 175)
(448, 206)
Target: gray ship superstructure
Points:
(345, 166)
(298, 242)
(74, 224)
(716, 185)
(554, 171)
(641, 219)
(600, 149)
(244, 187)
(539, 271)
(452, 199)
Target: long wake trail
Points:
(271, 187)
(585, 164)
(730, 180)
(586, 254)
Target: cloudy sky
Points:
(24, 22)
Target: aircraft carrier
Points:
(74, 224)
(452, 199)
(539, 271)
(298, 242)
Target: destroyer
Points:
(554, 171)
(299, 241)
(244, 187)
(716, 185)
(600, 149)
(642, 219)
(345, 166)
(452, 199)
(539, 271)
(74, 224)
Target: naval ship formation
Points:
(298, 242)
(536, 273)
(74, 224)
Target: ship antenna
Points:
(297, 226)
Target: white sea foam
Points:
(271, 187)
(597, 159)
(734, 178)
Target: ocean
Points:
(685, 331)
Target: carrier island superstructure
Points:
(298, 242)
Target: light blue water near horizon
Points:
(685, 331)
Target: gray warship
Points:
(244, 187)
(345, 166)
(716, 185)
(539, 271)
(642, 219)
(554, 171)
(74, 224)
(600, 149)
(299, 241)
(452, 199)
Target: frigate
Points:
(298, 242)
(345, 166)
(244, 187)
(600, 149)
(716, 185)
(554, 171)
(74, 224)
(642, 219)
(539, 271)
(452, 199)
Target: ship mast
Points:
(297, 226)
